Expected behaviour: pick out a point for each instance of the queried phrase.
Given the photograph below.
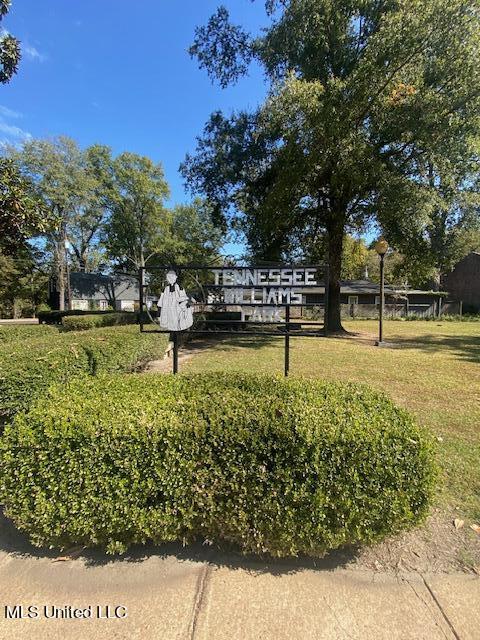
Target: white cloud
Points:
(12, 135)
(5, 112)
(14, 132)
(33, 53)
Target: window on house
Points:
(352, 299)
(103, 304)
(377, 300)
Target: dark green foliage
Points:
(92, 321)
(29, 366)
(55, 317)
(22, 214)
(24, 280)
(9, 48)
(449, 318)
(273, 466)
(227, 56)
(372, 113)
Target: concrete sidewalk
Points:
(10, 321)
(169, 596)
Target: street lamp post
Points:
(381, 247)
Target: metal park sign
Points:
(265, 286)
(247, 300)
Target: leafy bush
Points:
(274, 466)
(55, 317)
(43, 307)
(19, 332)
(29, 367)
(412, 317)
(444, 318)
(81, 323)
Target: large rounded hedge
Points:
(272, 465)
(29, 365)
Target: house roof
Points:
(352, 287)
(363, 286)
(356, 287)
(419, 292)
(96, 286)
(348, 286)
(471, 258)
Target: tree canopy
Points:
(70, 183)
(22, 214)
(197, 239)
(139, 224)
(9, 48)
(364, 98)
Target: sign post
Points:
(287, 341)
(267, 300)
(175, 352)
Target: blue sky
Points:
(118, 73)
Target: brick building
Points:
(463, 283)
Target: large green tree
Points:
(22, 217)
(433, 246)
(88, 217)
(197, 240)
(363, 96)
(22, 213)
(24, 276)
(139, 224)
(142, 231)
(72, 184)
(9, 48)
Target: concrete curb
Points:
(170, 598)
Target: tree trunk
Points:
(68, 281)
(61, 282)
(436, 280)
(335, 233)
(60, 250)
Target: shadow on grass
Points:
(466, 347)
(254, 341)
(232, 341)
(17, 544)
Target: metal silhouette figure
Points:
(174, 310)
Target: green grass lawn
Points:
(432, 369)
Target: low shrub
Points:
(30, 366)
(19, 332)
(271, 465)
(444, 318)
(93, 321)
(55, 316)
